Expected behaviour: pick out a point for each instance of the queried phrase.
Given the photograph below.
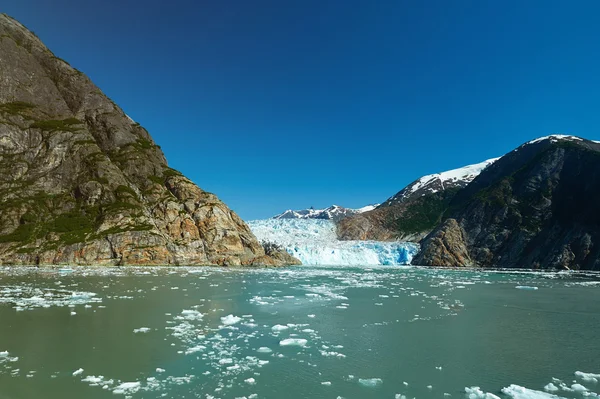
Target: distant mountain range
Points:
(334, 213)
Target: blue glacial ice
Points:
(314, 242)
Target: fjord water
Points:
(293, 333)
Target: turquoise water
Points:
(295, 333)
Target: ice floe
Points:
(293, 342)
(370, 382)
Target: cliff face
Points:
(536, 207)
(82, 183)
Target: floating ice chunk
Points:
(195, 349)
(226, 361)
(578, 388)
(588, 377)
(477, 393)
(519, 392)
(279, 327)
(73, 313)
(293, 342)
(93, 380)
(370, 382)
(332, 354)
(230, 320)
(551, 387)
(311, 316)
(264, 349)
(250, 381)
(141, 330)
(77, 372)
(400, 396)
(127, 388)
(159, 370)
(327, 383)
(190, 314)
(526, 287)
(234, 367)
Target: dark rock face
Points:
(536, 207)
(82, 183)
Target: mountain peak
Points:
(334, 212)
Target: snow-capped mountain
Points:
(314, 242)
(439, 181)
(334, 213)
(554, 138)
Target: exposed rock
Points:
(536, 207)
(447, 247)
(82, 183)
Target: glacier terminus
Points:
(314, 242)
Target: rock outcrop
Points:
(536, 207)
(82, 183)
(446, 247)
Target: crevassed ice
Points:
(314, 242)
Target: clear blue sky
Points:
(275, 104)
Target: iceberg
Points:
(314, 242)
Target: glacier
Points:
(314, 242)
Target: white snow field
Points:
(314, 242)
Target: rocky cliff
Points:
(414, 211)
(536, 207)
(82, 183)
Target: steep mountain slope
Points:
(334, 213)
(536, 207)
(414, 211)
(82, 183)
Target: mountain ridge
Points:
(414, 211)
(334, 212)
